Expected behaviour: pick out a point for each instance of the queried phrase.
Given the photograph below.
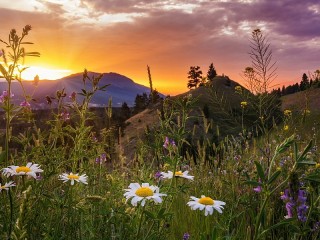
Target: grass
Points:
(268, 183)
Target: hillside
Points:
(299, 101)
(220, 95)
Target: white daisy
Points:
(184, 174)
(206, 203)
(143, 193)
(30, 170)
(7, 186)
(73, 177)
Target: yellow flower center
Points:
(206, 201)
(71, 176)
(23, 169)
(144, 192)
(179, 173)
(2, 187)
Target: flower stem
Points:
(140, 222)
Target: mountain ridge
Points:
(121, 89)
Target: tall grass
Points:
(255, 177)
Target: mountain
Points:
(122, 89)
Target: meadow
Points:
(70, 180)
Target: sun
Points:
(44, 73)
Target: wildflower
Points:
(7, 186)
(30, 170)
(206, 203)
(302, 207)
(65, 116)
(318, 165)
(299, 204)
(186, 236)
(287, 113)
(73, 96)
(5, 96)
(143, 193)
(238, 88)
(74, 177)
(257, 189)
(286, 127)
(169, 142)
(101, 159)
(158, 175)
(184, 174)
(244, 104)
(25, 104)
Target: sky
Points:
(125, 36)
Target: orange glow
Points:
(44, 73)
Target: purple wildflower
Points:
(257, 189)
(101, 159)
(186, 236)
(289, 208)
(158, 175)
(169, 142)
(299, 204)
(316, 226)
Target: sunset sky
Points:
(125, 36)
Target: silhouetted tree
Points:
(195, 76)
(211, 72)
(304, 84)
(141, 102)
(125, 111)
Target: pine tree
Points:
(195, 76)
(211, 73)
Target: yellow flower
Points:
(287, 113)
(318, 165)
(286, 128)
(243, 104)
(238, 89)
(306, 112)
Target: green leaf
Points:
(149, 214)
(314, 177)
(305, 151)
(285, 144)
(161, 213)
(307, 163)
(260, 171)
(274, 176)
(3, 71)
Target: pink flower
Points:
(25, 104)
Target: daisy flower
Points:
(30, 169)
(206, 203)
(143, 193)
(7, 186)
(184, 174)
(65, 177)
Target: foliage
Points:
(268, 191)
(194, 76)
